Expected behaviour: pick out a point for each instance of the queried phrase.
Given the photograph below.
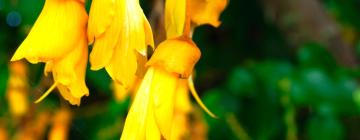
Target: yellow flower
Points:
(121, 35)
(17, 89)
(152, 111)
(206, 11)
(58, 38)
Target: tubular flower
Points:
(58, 38)
(151, 114)
(121, 34)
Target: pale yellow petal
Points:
(175, 14)
(54, 33)
(163, 88)
(134, 128)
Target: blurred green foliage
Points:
(247, 69)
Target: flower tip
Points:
(197, 98)
(16, 57)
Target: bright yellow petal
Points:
(137, 31)
(206, 11)
(164, 87)
(175, 14)
(69, 72)
(152, 129)
(122, 67)
(134, 128)
(123, 44)
(55, 32)
(102, 14)
(106, 31)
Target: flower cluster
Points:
(121, 35)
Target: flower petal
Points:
(175, 14)
(105, 31)
(69, 72)
(178, 55)
(102, 14)
(51, 37)
(206, 11)
(163, 88)
(134, 128)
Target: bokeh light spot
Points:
(13, 19)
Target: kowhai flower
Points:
(58, 38)
(121, 34)
(151, 114)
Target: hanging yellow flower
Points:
(151, 114)
(58, 38)
(121, 35)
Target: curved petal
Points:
(163, 88)
(133, 40)
(69, 72)
(134, 128)
(178, 55)
(206, 11)
(51, 37)
(101, 16)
